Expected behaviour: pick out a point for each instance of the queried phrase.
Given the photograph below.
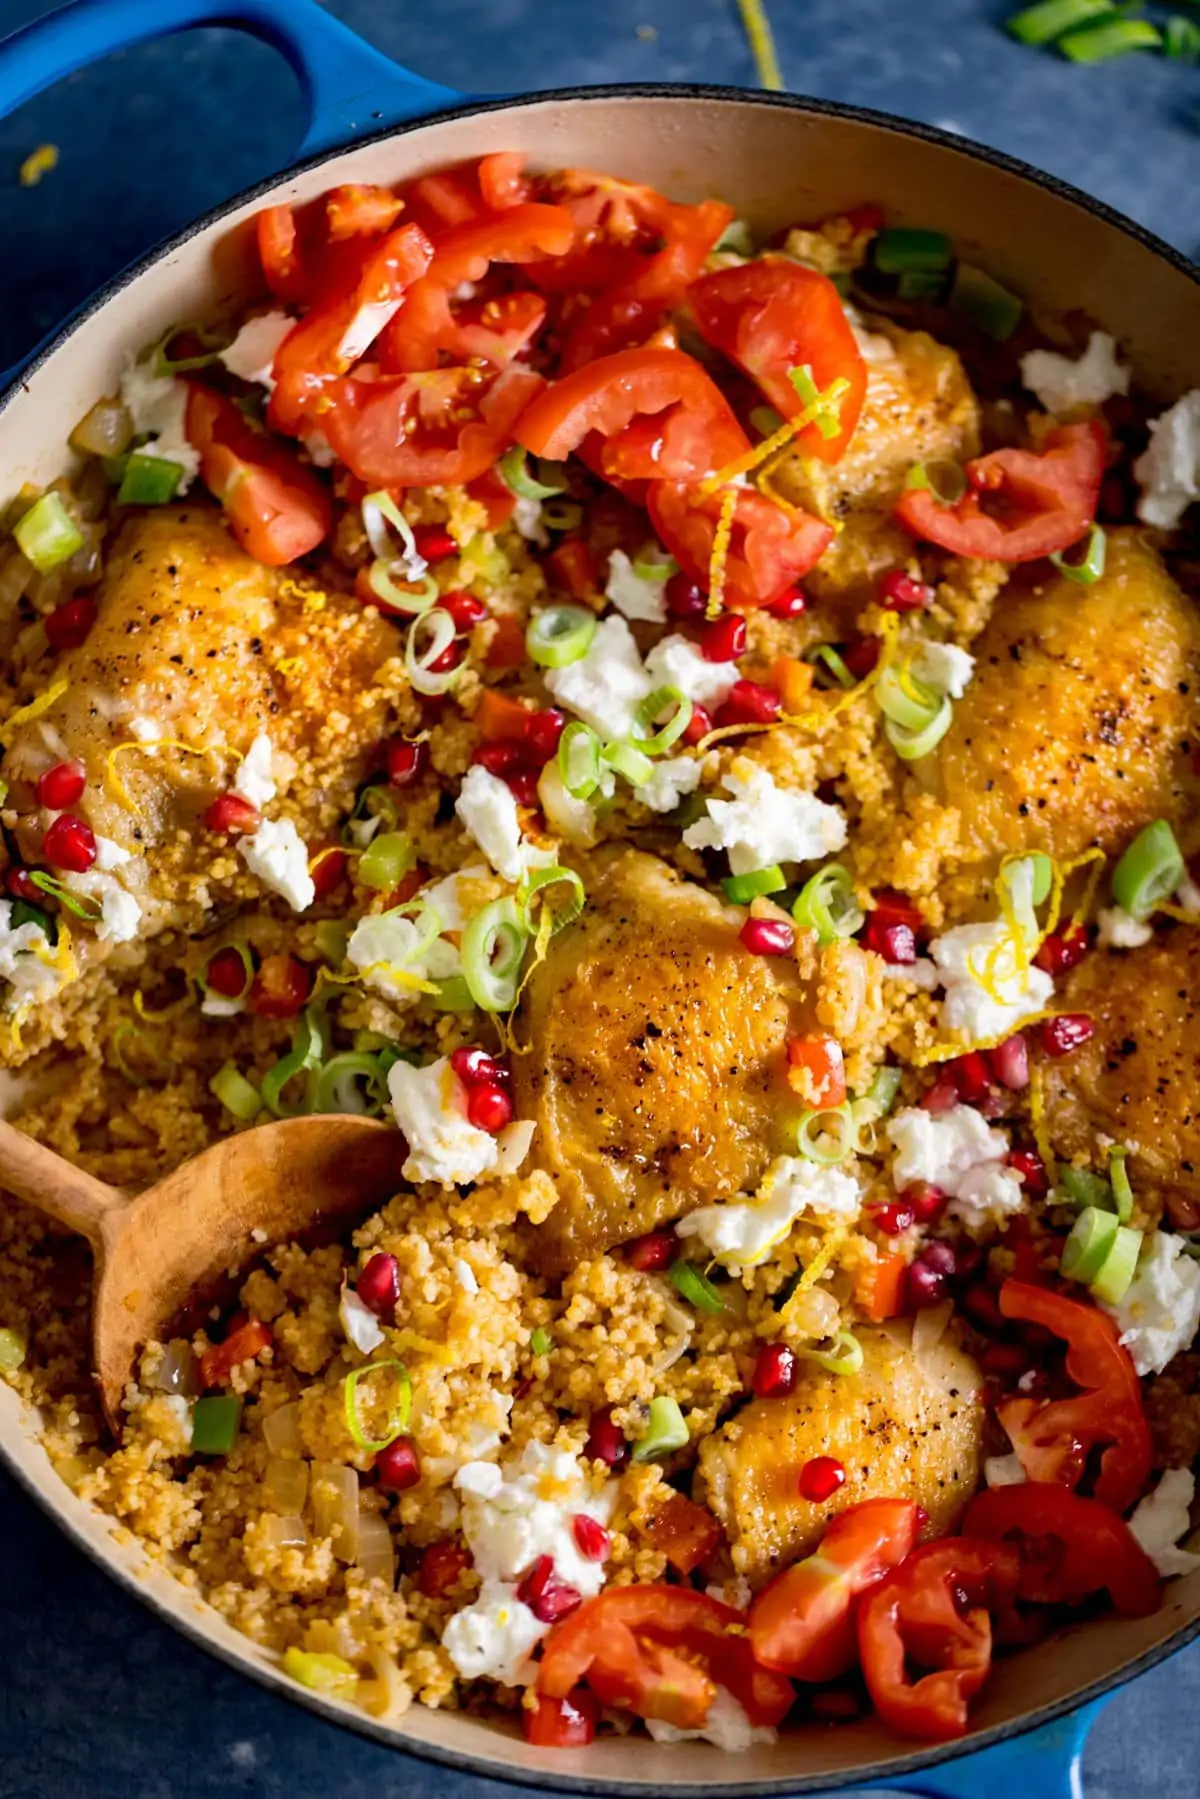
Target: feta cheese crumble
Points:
(673, 777)
(278, 855)
(157, 405)
(1162, 1518)
(634, 595)
(253, 778)
(1168, 471)
(430, 1107)
(110, 855)
(944, 667)
(989, 987)
(1004, 1470)
(251, 355)
(741, 1233)
(959, 1152)
(1061, 384)
(22, 949)
(1120, 930)
(764, 824)
(676, 662)
(1160, 1312)
(359, 1322)
(494, 1636)
(487, 810)
(606, 686)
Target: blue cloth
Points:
(96, 1696)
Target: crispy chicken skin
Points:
(657, 1060)
(903, 1428)
(1076, 727)
(1137, 1080)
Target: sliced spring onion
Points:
(844, 1355)
(81, 904)
(307, 1052)
(541, 1342)
(25, 912)
(13, 1349)
(321, 1672)
(513, 470)
(1111, 37)
(331, 936)
(379, 511)
(1118, 1175)
(128, 1032)
(826, 905)
(238, 1096)
(902, 249)
(881, 1094)
(908, 702)
(739, 890)
(561, 515)
(628, 760)
(149, 480)
(660, 741)
(429, 637)
(214, 341)
(415, 599)
(826, 406)
(980, 299)
(493, 948)
(766, 420)
(1050, 19)
(831, 668)
(692, 1284)
(1120, 1265)
(910, 746)
(536, 881)
(828, 1135)
(398, 1408)
(47, 534)
(922, 284)
(1181, 40)
(1036, 868)
(945, 480)
(736, 239)
(453, 995)
(665, 1430)
(375, 806)
(560, 635)
(1087, 1248)
(1087, 567)
(386, 860)
(350, 1083)
(579, 761)
(1149, 871)
(1084, 1188)
(658, 567)
(242, 951)
(215, 1423)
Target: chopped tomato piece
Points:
(500, 719)
(803, 1622)
(881, 1286)
(507, 646)
(276, 507)
(441, 201)
(770, 316)
(241, 1345)
(1053, 1437)
(495, 496)
(769, 549)
(502, 179)
(435, 429)
(817, 1070)
(1035, 504)
(1070, 1547)
(933, 1611)
(441, 1567)
(686, 1533)
(793, 679)
(280, 987)
(561, 1723)
(360, 210)
(631, 310)
(279, 252)
(570, 566)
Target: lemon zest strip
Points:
(762, 44)
(116, 785)
(720, 552)
(24, 714)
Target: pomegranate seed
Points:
(591, 1539)
(226, 974)
(896, 943)
(893, 1217)
(543, 731)
(441, 1567)
(21, 886)
(476, 1068)
(723, 639)
(378, 1286)
(1032, 1170)
(898, 592)
(1010, 1063)
(774, 1371)
(1061, 952)
(70, 844)
(983, 1308)
(861, 655)
(68, 625)
(328, 870)
(502, 758)
(1185, 1213)
(450, 658)
(1004, 1360)
(941, 1097)
(749, 703)
(924, 1286)
(653, 1252)
(61, 786)
(1066, 1032)
(791, 604)
(821, 1478)
(941, 1258)
(605, 1441)
(434, 542)
(398, 1467)
(464, 609)
(489, 1108)
(522, 783)
(684, 599)
(231, 815)
(698, 725)
(280, 987)
(547, 1597)
(767, 937)
(405, 762)
(971, 1076)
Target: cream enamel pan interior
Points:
(777, 161)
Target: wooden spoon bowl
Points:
(153, 1252)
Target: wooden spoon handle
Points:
(55, 1186)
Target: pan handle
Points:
(1042, 1764)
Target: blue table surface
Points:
(96, 1696)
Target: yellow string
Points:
(174, 1010)
(817, 1267)
(720, 552)
(762, 44)
(116, 785)
(37, 706)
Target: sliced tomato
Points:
(1070, 1547)
(661, 1652)
(619, 227)
(359, 209)
(495, 496)
(770, 316)
(502, 180)
(277, 508)
(803, 1623)
(933, 1612)
(241, 1345)
(632, 309)
(881, 1287)
(769, 549)
(1018, 505)
(1053, 1437)
(561, 1723)
(427, 430)
(448, 198)
(686, 1533)
(279, 252)
(820, 1069)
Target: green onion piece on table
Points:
(1181, 40)
(1112, 37)
(386, 860)
(826, 904)
(215, 1423)
(1118, 1174)
(493, 948)
(541, 1342)
(13, 1349)
(1050, 19)
(239, 1097)
(149, 480)
(665, 1431)
(1084, 567)
(579, 761)
(321, 1673)
(1149, 871)
(692, 1284)
(657, 743)
(1120, 1265)
(513, 470)
(399, 1404)
(47, 534)
(739, 890)
(844, 1355)
(560, 635)
(980, 299)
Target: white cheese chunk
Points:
(278, 855)
(1162, 1518)
(394, 957)
(958, 1151)
(989, 987)
(359, 1322)
(636, 596)
(251, 355)
(673, 777)
(430, 1107)
(494, 1635)
(513, 1515)
(945, 668)
(1120, 930)
(157, 404)
(606, 686)
(1168, 471)
(764, 824)
(110, 855)
(740, 1233)
(1060, 383)
(253, 778)
(487, 809)
(25, 957)
(676, 662)
(1160, 1312)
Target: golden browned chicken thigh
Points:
(905, 1427)
(656, 1072)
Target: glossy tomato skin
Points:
(276, 507)
(769, 548)
(561, 1723)
(1049, 500)
(686, 1533)
(367, 424)
(1070, 1547)
(772, 315)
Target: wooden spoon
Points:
(153, 1252)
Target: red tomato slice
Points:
(279, 252)
(803, 1623)
(769, 549)
(241, 1345)
(632, 309)
(358, 209)
(276, 507)
(771, 316)
(1036, 504)
(461, 421)
(561, 1723)
(502, 179)
(448, 198)
(619, 226)
(1070, 1547)
(1053, 1437)
(933, 1611)
(495, 496)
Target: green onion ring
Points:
(1083, 1188)
(242, 950)
(945, 480)
(561, 515)
(1149, 871)
(828, 661)
(881, 1094)
(908, 703)
(493, 948)
(441, 634)
(660, 741)
(692, 1284)
(1120, 1265)
(827, 1136)
(238, 1095)
(1118, 1175)
(513, 470)
(629, 759)
(397, 1421)
(1089, 569)
(386, 860)
(83, 905)
(910, 746)
(412, 601)
(537, 881)
(560, 635)
(579, 761)
(1086, 1249)
(739, 890)
(375, 804)
(379, 510)
(665, 1430)
(655, 568)
(827, 406)
(307, 1052)
(119, 1036)
(826, 905)
(336, 1086)
(844, 1355)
